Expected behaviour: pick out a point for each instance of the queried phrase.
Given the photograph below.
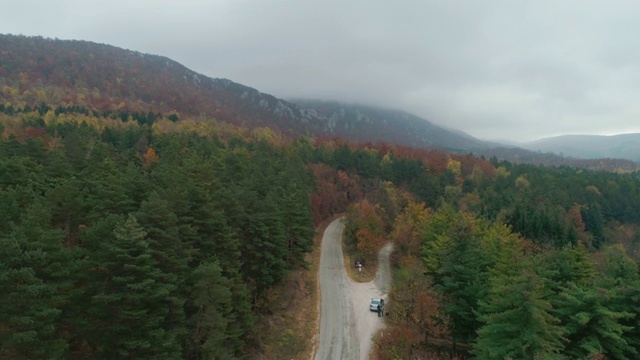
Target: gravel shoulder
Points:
(346, 323)
(367, 321)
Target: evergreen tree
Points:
(171, 255)
(593, 222)
(264, 244)
(29, 315)
(592, 326)
(297, 220)
(106, 189)
(620, 277)
(462, 279)
(213, 335)
(130, 306)
(34, 273)
(518, 323)
(28, 306)
(561, 267)
(67, 201)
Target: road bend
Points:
(338, 338)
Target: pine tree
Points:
(34, 272)
(462, 279)
(560, 267)
(264, 244)
(592, 326)
(171, 255)
(106, 189)
(131, 303)
(68, 208)
(518, 323)
(29, 315)
(212, 336)
(620, 277)
(298, 224)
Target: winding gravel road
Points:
(346, 324)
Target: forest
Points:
(126, 242)
(150, 235)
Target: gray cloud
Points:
(495, 69)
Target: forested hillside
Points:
(100, 77)
(125, 237)
(122, 241)
(103, 77)
(130, 228)
(495, 260)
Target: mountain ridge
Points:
(625, 146)
(93, 75)
(78, 73)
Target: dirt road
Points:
(346, 324)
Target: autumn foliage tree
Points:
(408, 228)
(365, 230)
(367, 243)
(149, 157)
(416, 307)
(335, 191)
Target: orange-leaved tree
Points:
(364, 230)
(408, 227)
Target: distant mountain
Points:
(368, 123)
(625, 146)
(522, 156)
(97, 76)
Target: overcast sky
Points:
(509, 69)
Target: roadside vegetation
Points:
(151, 235)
